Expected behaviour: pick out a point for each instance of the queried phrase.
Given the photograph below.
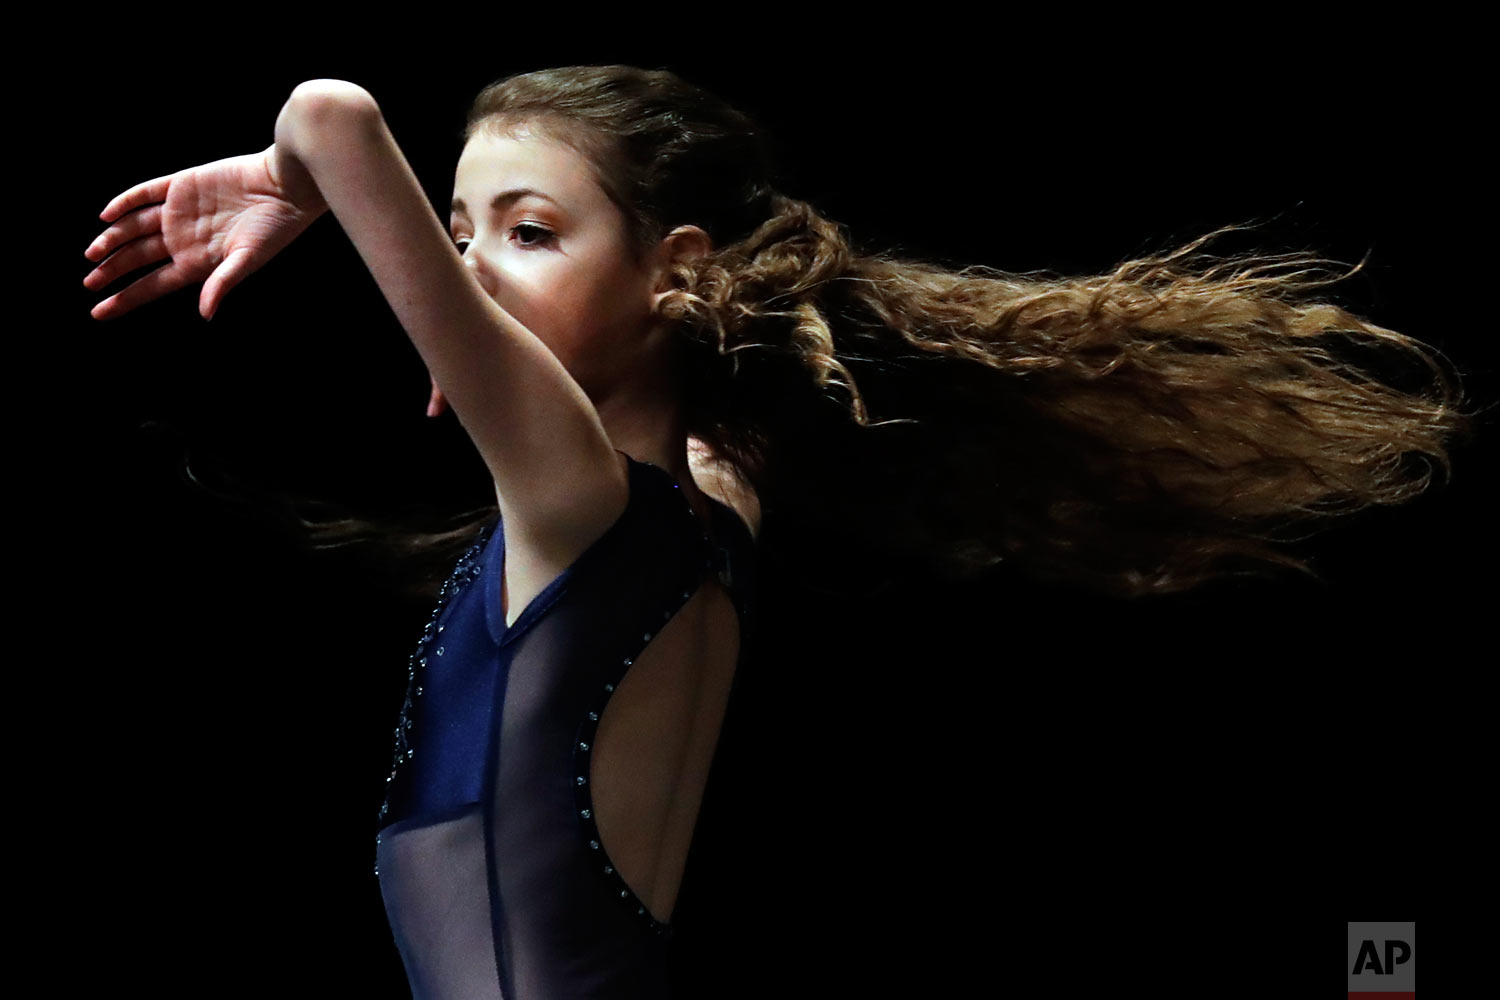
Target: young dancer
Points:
(636, 330)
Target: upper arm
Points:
(555, 470)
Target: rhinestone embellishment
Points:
(586, 735)
(467, 570)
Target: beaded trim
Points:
(467, 571)
(583, 743)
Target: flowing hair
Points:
(1141, 431)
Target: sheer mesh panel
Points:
(437, 895)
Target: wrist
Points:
(313, 109)
(290, 176)
(317, 105)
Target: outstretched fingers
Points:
(144, 193)
(151, 286)
(129, 257)
(131, 227)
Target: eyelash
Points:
(546, 234)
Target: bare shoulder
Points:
(722, 481)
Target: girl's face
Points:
(551, 249)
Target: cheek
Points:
(572, 319)
(608, 303)
(629, 298)
(576, 305)
(537, 295)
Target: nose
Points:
(481, 271)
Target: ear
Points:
(682, 243)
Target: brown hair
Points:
(1140, 431)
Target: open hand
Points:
(217, 223)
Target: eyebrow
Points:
(504, 198)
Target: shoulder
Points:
(722, 481)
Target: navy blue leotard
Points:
(495, 881)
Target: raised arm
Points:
(557, 475)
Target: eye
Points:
(541, 237)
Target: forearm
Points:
(519, 405)
(334, 132)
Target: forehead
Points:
(525, 159)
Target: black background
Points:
(978, 787)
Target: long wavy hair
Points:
(1141, 431)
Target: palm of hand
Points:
(217, 223)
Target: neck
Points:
(644, 419)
